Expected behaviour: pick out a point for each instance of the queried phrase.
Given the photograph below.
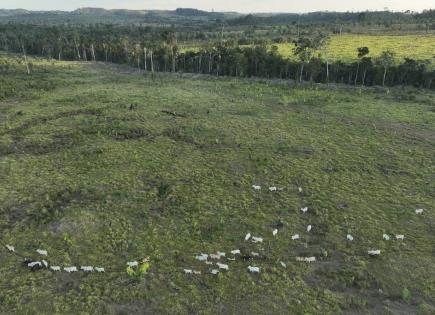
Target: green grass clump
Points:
(97, 172)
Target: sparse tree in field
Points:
(386, 60)
(25, 57)
(21, 41)
(304, 50)
(306, 47)
(138, 53)
(170, 39)
(145, 59)
(366, 63)
(105, 48)
(320, 43)
(152, 62)
(362, 52)
(93, 53)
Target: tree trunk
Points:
(364, 77)
(356, 76)
(93, 53)
(327, 71)
(25, 58)
(199, 63)
(173, 62)
(78, 51)
(152, 62)
(145, 55)
(85, 57)
(209, 63)
(105, 52)
(302, 72)
(385, 75)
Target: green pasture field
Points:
(344, 47)
(100, 165)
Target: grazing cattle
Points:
(87, 268)
(247, 237)
(257, 239)
(295, 237)
(42, 252)
(419, 211)
(256, 187)
(309, 227)
(99, 269)
(254, 269)
(275, 232)
(400, 237)
(306, 259)
(235, 252)
(214, 271)
(222, 266)
(70, 269)
(273, 189)
(215, 256)
(188, 271)
(132, 264)
(283, 264)
(386, 237)
(375, 252)
(10, 248)
(349, 237)
(202, 257)
(304, 210)
(55, 268)
(35, 265)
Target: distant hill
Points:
(180, 17)
(4, 12)
(194, 18)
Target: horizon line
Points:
(214, 11)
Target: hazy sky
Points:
(225, 5)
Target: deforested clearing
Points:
(94, 172)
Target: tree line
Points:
(158, 51)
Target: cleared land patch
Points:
(133, 181)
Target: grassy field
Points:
(344, 47)
(93, 171)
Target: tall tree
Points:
(362, 52)
(304, 50)
(320, 43)
(386, 60)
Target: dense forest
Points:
(181, 15)
(222, 50)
